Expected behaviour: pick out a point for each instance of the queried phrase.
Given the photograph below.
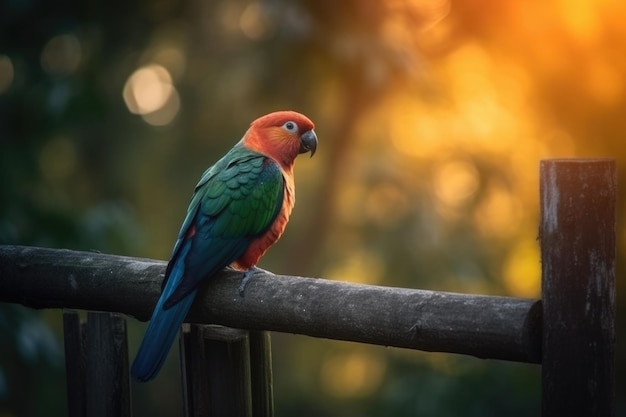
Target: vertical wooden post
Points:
(578, 200)
(215, 366)
(108, 383)
(75, 358)
(96, 361)
(261, 374)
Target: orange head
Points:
(282, 135)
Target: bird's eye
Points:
(290, 127)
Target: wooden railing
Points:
(226, 371)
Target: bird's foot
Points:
(248, 275)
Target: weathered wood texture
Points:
(261, 374)
(215, 371)
(578, 200)
(226, 371)
(75, 363)
(96, 360)
(482, 326)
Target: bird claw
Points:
(247, 276)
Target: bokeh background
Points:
(432, 117)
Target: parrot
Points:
(239, 208)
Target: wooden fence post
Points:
(261, 374)
(578, 200)
(215, 371)
(75, 363)
(96, 355)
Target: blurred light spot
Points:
(148, 89)
(353, 374)
(359, 266)
(61, 55)
(513, 84)
(499, 213)
(421, 137)
(455, 182)
(255, 21)
(57, 159)
(6, 73)
(386, 203)
(581, 18)
(165, 114)
(149, 92)
(468, 68)
(521, 271)
(479, 118)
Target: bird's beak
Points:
(308, 142)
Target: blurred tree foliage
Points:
(432, 117)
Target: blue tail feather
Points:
(162, 330)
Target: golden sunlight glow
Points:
(580, 18)
(483, 110)
(455, 182)
(488, 100)
(605, 82)
(150, 93)
(417, 136)
(357, 373)
(61, 55)
(555, 142)
(352, 192)
(522, 270)
(6, 73)
(499, 214)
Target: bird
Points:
(239, 208)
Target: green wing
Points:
(235, 201)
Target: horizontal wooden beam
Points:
(482, 326)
